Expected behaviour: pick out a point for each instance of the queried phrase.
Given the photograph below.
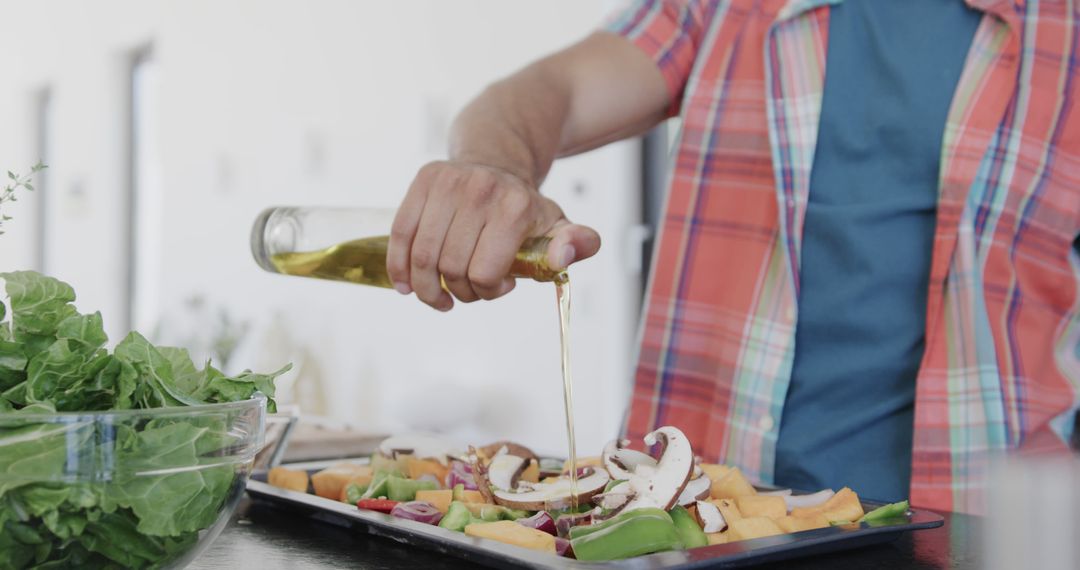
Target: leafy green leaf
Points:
(38, 305)
(222, 388)
(116, 537)
(155, 371)
(167, 488)
(55, 375)
(186, 377)
(12, 364)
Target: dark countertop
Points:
(263, 536)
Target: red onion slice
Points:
(564, 523)
(540, 521)
(419, 511)
(562, 547)
(776, 493)
(461, 474)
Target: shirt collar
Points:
(1005, 9)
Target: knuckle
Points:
(485, 278)
(399, 234)
(516, 205)
(452, 271)
(423, 258)
(462, 292)
(481, 192)
(430, 170)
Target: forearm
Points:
(515, 124)
(598, 91)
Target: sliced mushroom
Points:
(657, 482)
(419, 446)
(621, 461)
(492, 449)
(709, 517)
(696, 489)
(504, 469)
(614, 498)
(611, 501)
(554, 495)
(807, 501)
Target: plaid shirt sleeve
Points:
(669, 32)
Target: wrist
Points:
(499, 164)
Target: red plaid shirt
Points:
(1001, 368)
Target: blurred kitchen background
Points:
(168, 125)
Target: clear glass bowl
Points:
(131, 488)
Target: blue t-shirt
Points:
(891, 71)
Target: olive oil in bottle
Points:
(322, 243)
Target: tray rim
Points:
(506, 555)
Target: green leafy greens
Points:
(173, 479)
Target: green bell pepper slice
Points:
(377, 487)
(641, 531)
(457, 517)
(354, 492)
(886, 513)
(688, 529)
(401, 489)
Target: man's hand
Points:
(465, 222)
(466, 218)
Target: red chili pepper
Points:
(381, 505)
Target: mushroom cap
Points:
(696, 489)
(493, 449)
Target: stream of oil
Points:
(562, 294)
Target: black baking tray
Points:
(499, 555)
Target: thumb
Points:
(571, 243)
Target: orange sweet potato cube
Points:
(472, 497)
(753, 527)
(511, 532)
(728, 509)
(733, 484)
(843, 506)
(415, 468)
(798, 524)
(716, 538)
(714, 471)
(290, 479)
(439, 498)
(330, 482)
(761, 506)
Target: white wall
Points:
(320, 102)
